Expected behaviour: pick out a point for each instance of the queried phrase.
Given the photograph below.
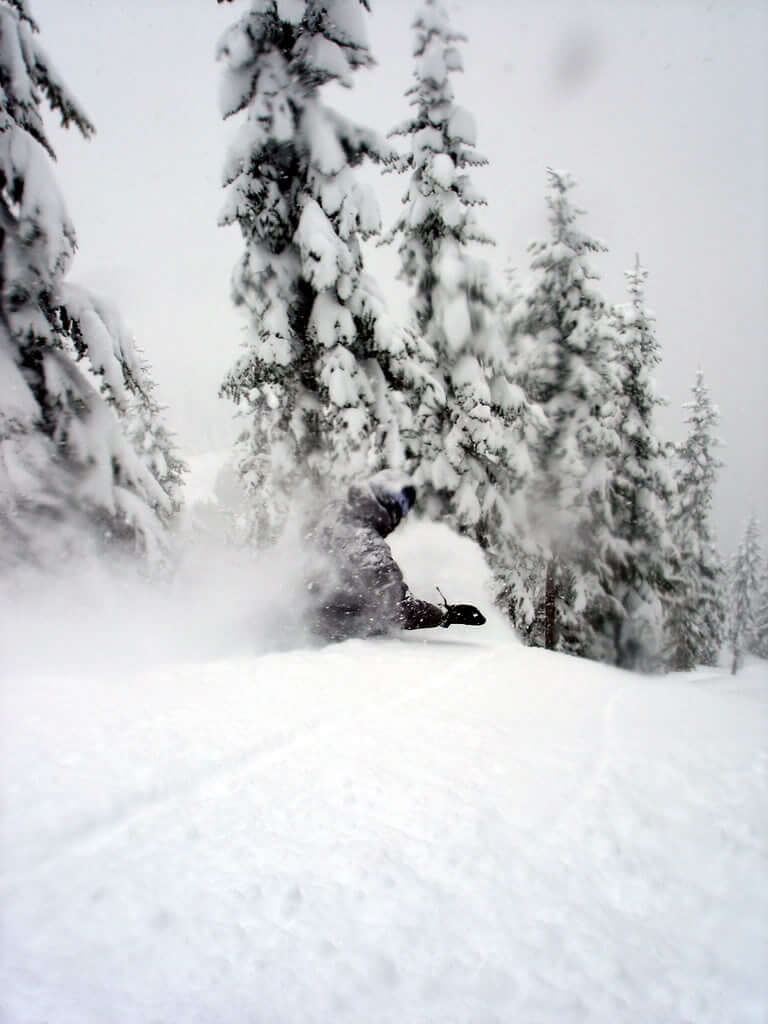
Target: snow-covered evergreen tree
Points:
(643, 562)
(695, 610)
(156, 446)
(569, 371)
(66, 467)
(759, 645)
(468, 453)
(510, 297)
(312, 382)
(515, 553)
(744, 592)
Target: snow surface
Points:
(436, 827)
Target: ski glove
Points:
(462, 615)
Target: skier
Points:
(355, 586)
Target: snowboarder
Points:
(355, 587)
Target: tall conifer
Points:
(467, 452)
(643, 563)
(744, 590)
(571, 374)
(695, 610)
(312, 382)
(759, 644)
(68, 475)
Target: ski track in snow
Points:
(92, 836)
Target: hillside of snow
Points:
(441, 826)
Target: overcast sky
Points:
(659, 109)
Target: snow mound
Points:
(432, 555)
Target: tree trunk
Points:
(550, 605)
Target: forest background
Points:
(660, 111)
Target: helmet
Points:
(395, 491)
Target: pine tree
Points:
(156, 446)
(312, 382)
(570, 373)
(515, 553)
(467, 451)
(643, 563)
(759, 644)
(744, 591)
(695, 610)
(66, 468)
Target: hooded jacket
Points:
(355, 586)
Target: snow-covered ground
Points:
(438, 827)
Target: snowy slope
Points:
(438, 827)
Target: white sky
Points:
(658, 107)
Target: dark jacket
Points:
(355, 586)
